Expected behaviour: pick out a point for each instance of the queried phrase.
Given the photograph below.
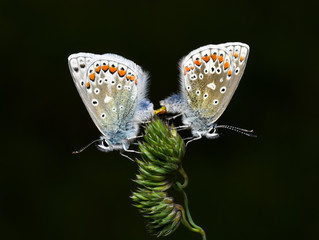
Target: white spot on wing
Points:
(212, 85)
(107, 99)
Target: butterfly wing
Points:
(113, 90)
(239, 52)
(208, 81)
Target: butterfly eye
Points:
(215, 102)
(114, 109)
(121, 107)
(104, 143)
(197, 92)
(218, 70)
(205, 96)
(236, 71)
(100, 81)
(97, 91)
(119, 86)
(200, 76)
(103, 115)
(188, 88)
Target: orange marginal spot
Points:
(206, 58)
(226, 65)
(214, 57)
(105, 68)
(113, 69)
(128, 77)
(242, 58)
(191, 67)
(92, 76)
(87, 85)
(122, 73)
(229, 73)
(98, 69)
(184, 72)
(133, 78)
(136, 81)
(187, 69)
(236, 55)
(220, 58)
(197, 62)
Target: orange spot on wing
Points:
(113, 69)
(214, 57)
(105, 68)
(133, 78)
(242, 58)
(226, 65)
(236, 55)
(206, 58)
(191, 67)
(87, 85)
(136, 81)
(128, 77)
(220, 58)
(92, 76)
(98, 69)
(197, 62)
(229, 73)
(187, 69)
(122, 73)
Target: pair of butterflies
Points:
(114, 89)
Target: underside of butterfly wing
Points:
(113, 91)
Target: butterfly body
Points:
(209, 77)
(113, 89)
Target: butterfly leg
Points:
(129, 150)
(176, 116)
(126, 156)
(131, 138)
(182, 127)
(194, 139)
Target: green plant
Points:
(160, 169)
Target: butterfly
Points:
(113, 90)
(209, 77)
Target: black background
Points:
(240, 187)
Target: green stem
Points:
(183, 173)
(187, 218)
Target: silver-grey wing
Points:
(112, 89)
(210, 77)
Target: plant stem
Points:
(183, 173)
(187, 218)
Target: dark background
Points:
(240, 187)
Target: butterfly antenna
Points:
(239, 130)
(82, 149)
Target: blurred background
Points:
(240, 187)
